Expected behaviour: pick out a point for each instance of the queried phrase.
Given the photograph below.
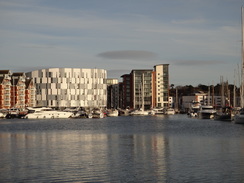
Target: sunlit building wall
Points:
(162, 85)
(70, 87)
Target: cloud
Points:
(128, 55)
(189, 21)
(197, 62)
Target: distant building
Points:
(30, 93)
(202, 99)
(141, 89)
(112, 93)
(146, 88)
(18, 90)
(5, 89)
(126, 91)
(161, 85)
(15, 90)
(70, 87)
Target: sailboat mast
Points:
(242, 50)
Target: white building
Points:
(161, 85)
(70, 87)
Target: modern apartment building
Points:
(112, 93)
(161, 85)
(125, 91)
(142, 89)
(70, 87)
(146, 88)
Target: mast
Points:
(242, 50)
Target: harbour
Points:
(161, 148)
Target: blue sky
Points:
(200, 39)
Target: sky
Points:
(199, 39)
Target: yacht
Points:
(140, 112)
(112, 113)
(159, 111)
(46, 112)
(194, 108)
(170, 111)
(224, 114)
(96, 113)
(206, 112)
(239, 118)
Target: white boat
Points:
(2, 115)
(159, 111)
(206, 112)
(46, 113)
(239, 117)
(96, 113)
(170, 111)
(112, 113)
(139, 112)
(194, 108)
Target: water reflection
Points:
(110, 150)
(73, 156)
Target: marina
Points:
(162, 148)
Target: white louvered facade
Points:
(70, 87)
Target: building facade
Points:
(16, 91)
(70, 87)
(146, 88)
(161, 85)
(5, 89)
(112, 93)
(141, 89)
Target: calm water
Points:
(121, 149)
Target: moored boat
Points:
(170, 111)
(206, 112)
(112, 113)
(239, 117)
(46, 113)
(140, 112)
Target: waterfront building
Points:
(146, 88)
(70, 87)
(18, 90)
(201, 98)
(5, 89)
(141, 89)
(161, 86)
(126, 91)
(112, 93)
(30, 93)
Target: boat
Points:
(80, 114)
(112, 113)
(170, 111)
(96, 113)
(159, 111)
(124, 112)
(239, 117)
(139, 112)
(206, 112)
(2, 115)
(194, 108)
(46, 113)
(225, 114)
